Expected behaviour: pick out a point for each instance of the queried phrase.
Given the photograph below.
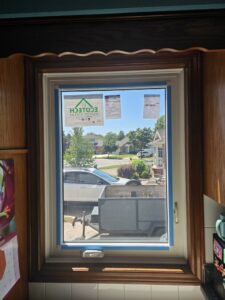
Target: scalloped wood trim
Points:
(141, 51)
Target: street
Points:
(104, 162)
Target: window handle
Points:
(92, 254)
(176, 212)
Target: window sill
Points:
(67, 272)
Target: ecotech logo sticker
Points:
(83, 110)
(83, 107)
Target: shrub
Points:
(135, 175)
(145, 174)
(126, 171)
(140, 166)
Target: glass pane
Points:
(115, 166)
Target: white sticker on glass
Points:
(151, 106)
(112, 107)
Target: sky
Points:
(132, 109)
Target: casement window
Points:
(110, 192)
(96, 213)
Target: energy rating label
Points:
(112, 107)
(151, 106)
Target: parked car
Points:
(145, 153)
(87, 184)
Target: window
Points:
(119, 200)
(86, 178)
(160, 151)
(114, 174)
(71, 177)
(122, 240)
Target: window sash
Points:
(112, 244)
(65, 246)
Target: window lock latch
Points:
(176, 212)
(92, 254)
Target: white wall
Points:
(92, 291)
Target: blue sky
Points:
(132, 106)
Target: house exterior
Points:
(159, 146)
(98, 146)
(159, 153)
(123, 146)
(96, 141)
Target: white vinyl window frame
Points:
(173, 78)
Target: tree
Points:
(140, 138)
(120, 135)
(80, 151)
(66, 141)
(160, 123)
(109, 142)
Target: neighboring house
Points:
(123, 146)
(98, 146)
(97, 142)
(159, 145)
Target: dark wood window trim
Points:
(174, 30)
(68, 272)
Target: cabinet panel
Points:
(12, 103)
(214, 126)
(12, 145)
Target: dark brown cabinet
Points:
(214, 125)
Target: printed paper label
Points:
(151, 106)
(112, 107)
